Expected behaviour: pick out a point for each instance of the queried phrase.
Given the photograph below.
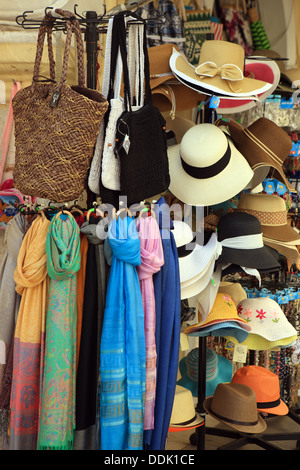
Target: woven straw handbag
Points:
(56, 125)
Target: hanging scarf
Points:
(80, 289)
(167, 331)
(122, 348)
(87, 380)
(152, 259)
(28, 354)
(58, 401)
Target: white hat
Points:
(269, 325)
(195, 260)
(206, 168)
(183, 412)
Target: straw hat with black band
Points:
(235, 405)
(220, 69)
(206, 168)
(184, 415)
(264, 145)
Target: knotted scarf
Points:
(28, 354)
(122, 347)
(152, 259)
(167, 333)
(58, 400)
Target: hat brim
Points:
(198, 260)
(254, 429)
(256, 342)
(290, 252)
(282, 233)
(225, 371)
(199, 421)
(258, 258)
(183, 69)
(185, 98)
(266, 70)
(225, 185)
(280, 410)
(257, 158)
(225, 329)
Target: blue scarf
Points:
(122, 348)
(167, 335)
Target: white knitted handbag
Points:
(110, 167)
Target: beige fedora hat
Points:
(220, 69)
(179, 126)
(272, 214)
(235, 405)
(206, 168)
(184, 415)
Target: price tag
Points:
(240, 353)
(184, 342)
(126, 143)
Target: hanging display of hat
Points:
(270, 327)
(235, 405)
(184, 416)
(168, 94)
(259, 70)
(195, 260)
(272, 213)
(264, 145)
(266, 387)
(206, 168)
(220, 70)
(221, 319)
(218, 370)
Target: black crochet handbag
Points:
(141, 139)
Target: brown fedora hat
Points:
(159, 68)
(264, 145)
(235, 405)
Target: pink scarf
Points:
(152, 260)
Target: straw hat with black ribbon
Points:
(184, 415)
(235, 405)
(266, 387)
(206, 168)
(264, 145)
(220, 70)
(272, 213)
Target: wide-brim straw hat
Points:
(239, 226)
(235, 405)
(264, 145)
(220, 69)
(260, 70)
(268, 321)
(223, 310)
(218, 370)
(174, 96)
(266, 387)
(271, 211)
(184, 415)
(206, 168)
(234, 290)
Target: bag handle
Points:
(72, 25)
(5, 139)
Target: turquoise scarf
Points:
(122, 348)
(57, 419)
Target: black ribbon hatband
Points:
(268, 404)
(208, 171)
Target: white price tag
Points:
(126, 143)
(240, 353)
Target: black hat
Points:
(249, 252)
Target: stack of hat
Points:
(220, 71)
(272, 213)
(266, 387)
(168, 94)
(264, 145)
(196, 261)
(184, 416)
(223, 320)
(269, 326)
(235, 405)
(218, 370)
(206, 168)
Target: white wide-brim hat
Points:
(220, 69)
(194, 259)
(206, 168)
